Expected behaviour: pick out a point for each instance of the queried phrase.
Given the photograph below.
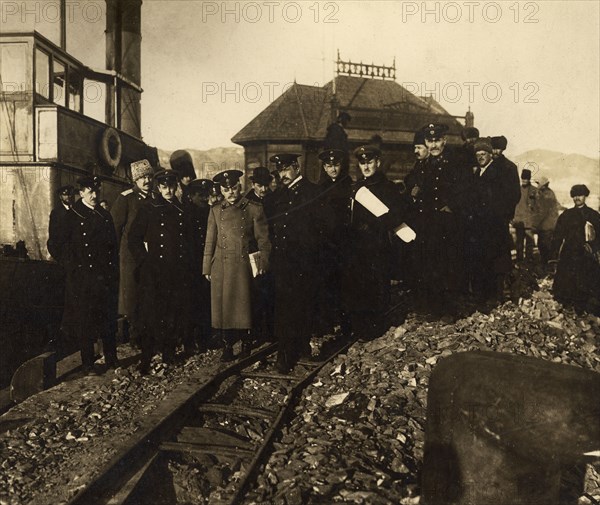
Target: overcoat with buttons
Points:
(124, 211)
(91, 263)
(231, 229)
(160, 245)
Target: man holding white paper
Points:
(378, 209)
(232, 225)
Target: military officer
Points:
(335, 188)
(232, 226)
(160, 245)
(91, 262)
(198, 337)
(66, 195)
(444, 193)
(296, 233)
(123, 212)
(367, 276)
(263, 286)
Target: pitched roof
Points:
(303, 112)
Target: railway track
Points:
(211, 428)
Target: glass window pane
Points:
(42, 74)
(75, 84)
(58, 83)
(94, 99)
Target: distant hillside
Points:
(563, 171)
(210, 162)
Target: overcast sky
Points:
(528, 70)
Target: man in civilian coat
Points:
(160, 245)
(124, 211)
(56, 229)
(489, 204)
(367, 273)
(296, 226)
(232, 226)
(91, 262)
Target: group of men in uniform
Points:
(284, 264)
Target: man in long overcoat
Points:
(124, 211)
(442, 197)
(335, 186)
(489, 206)
(576, 243)
(232, 226)
(91, 262)
(160, 244)
(367, 274)
(263, 298)
(296, 227)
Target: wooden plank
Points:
(265, 375)
(204, 449)
(220, 408)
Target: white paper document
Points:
(370, 202)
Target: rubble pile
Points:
(358, 431)
(54, 442)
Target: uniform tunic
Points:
(160, 245)
(124, 211)
(231, 228)
(90, 259)
(200, 287)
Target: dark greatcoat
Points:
(91, 263)
(160, 245)
(296, 226)
(485, 245)
(335, 199)
(124, 211)
(226, 259)
(56, 231)
(445, 183)
(200, 287)
(577, 279)
(367, 273)
(263, 296)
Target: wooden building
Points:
(297, 121)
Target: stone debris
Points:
(357, 436)
(358, 433)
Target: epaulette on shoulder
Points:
(127, 192)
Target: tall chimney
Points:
(123, 55)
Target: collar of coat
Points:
(376, 178)
(159, 201)
(242, 203)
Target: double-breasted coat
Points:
(441, 208)
(160, 245)
(296, 225)
(91, 263)
(230, 231)
(200, 287)
(124, 211)
(367, 276)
